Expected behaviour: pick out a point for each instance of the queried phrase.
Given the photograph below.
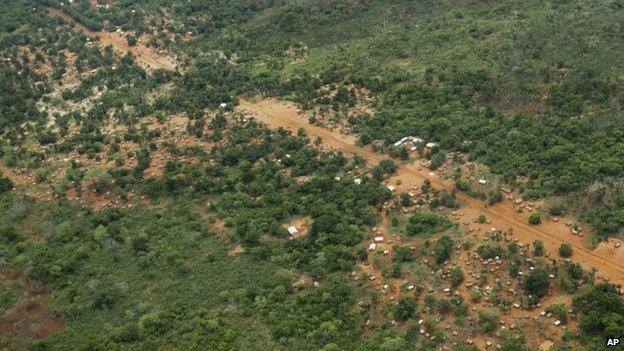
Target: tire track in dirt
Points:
(276, 114)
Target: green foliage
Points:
(565, 250)
(601, 310)
(5, 184)
(538, 248)
(426, 223)
(457, 276)
(488, 320)
(462, 184)
(443, 249)
(536, 283)
(488, 251)
(535, 218)
(405, 309)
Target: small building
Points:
(431, 145)
(379, 239)
(391, 187)
(357, 181)
(482, 181)
(292, 230)
(372, 247)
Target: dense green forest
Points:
(529, 88)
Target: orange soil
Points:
(503, 216)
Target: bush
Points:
(462, 184)
(443, 248)
(427, 223)
(490, 251)
(488, 320)
(405, 309)
(538, 248)
(565, 250)
(457, 276)
(556, 210)
(537, 283)
(132, 40)
(535, 218)
(6, 184)
(475, 295)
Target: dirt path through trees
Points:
(144, 55)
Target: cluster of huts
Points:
(413, 142)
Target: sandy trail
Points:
(503, 216)
(144, 56)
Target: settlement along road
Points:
(503, 216)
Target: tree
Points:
(457, 276)
(602, 310)
(132, 40)
(443, 248)
(405, 309)
(426, 186)
(488, 320)
(565, 250)
(462, 184)
(6, 184)
(535, 218)
(537, 283)
(538, 248)
(482, 218)
(427, 223)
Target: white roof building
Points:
(292, 230)
(431, 145)
(357, 181)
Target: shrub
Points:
(462, 184)
(482, 218)
(488, 320)
(538, 248)
(427, 223)
(442, 249)
(405, 309)
(457, 276)
(535, 218)
(6, 184)
(565, 250)
(537, 283)
(475, 295)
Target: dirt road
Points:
(503, 216)
(145, 56)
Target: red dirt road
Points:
(144, 55)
